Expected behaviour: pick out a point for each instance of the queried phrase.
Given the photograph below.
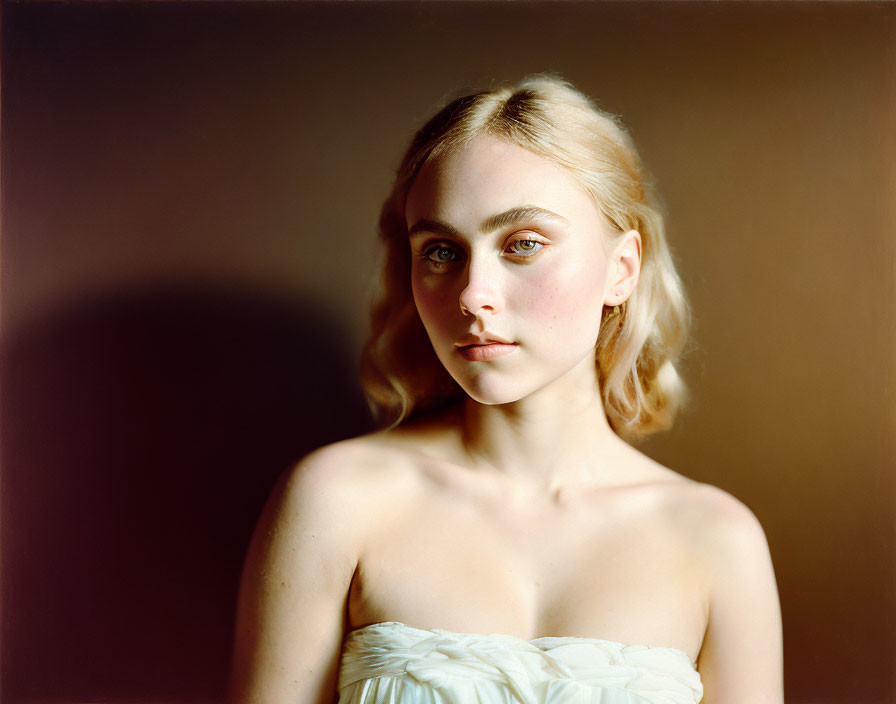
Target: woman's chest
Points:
(616, 575)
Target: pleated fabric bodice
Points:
(392, 663)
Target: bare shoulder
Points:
(741, 654)
(707, 506)
(336, 468)
(297, 574)
(743, 612)
(349, 478)
(712, 521)
(716, 528)
(716, 521)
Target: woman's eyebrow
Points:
(519, 214)
(513, 216)
(436, 227)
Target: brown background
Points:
(189, 198)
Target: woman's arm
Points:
(291, 610)
(741, 658)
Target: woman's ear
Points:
(625, 267)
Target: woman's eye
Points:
(441, 255)
(524, 248)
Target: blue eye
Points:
(524, 248)
(439, 254)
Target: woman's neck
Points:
(554, 440)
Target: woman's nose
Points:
(483, 291)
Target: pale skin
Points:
(519, 511)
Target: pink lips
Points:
(484, 347)
(485, 353)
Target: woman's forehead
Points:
(490, 175)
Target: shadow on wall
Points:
(142, 436)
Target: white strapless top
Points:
(392, 663)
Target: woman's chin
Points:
(491, 394)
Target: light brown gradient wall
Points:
(169, 157)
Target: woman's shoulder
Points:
(696, 505)
(704, 515)
(717, 527)
(706, 509)
(354, 472)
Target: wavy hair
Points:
(639, 343)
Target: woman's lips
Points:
(486, 352)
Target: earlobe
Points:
(627, 258)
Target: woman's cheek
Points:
(430, 297)
(560, 294)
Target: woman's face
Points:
(510, 271)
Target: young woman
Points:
(502, 541)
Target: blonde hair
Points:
(637, 346)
